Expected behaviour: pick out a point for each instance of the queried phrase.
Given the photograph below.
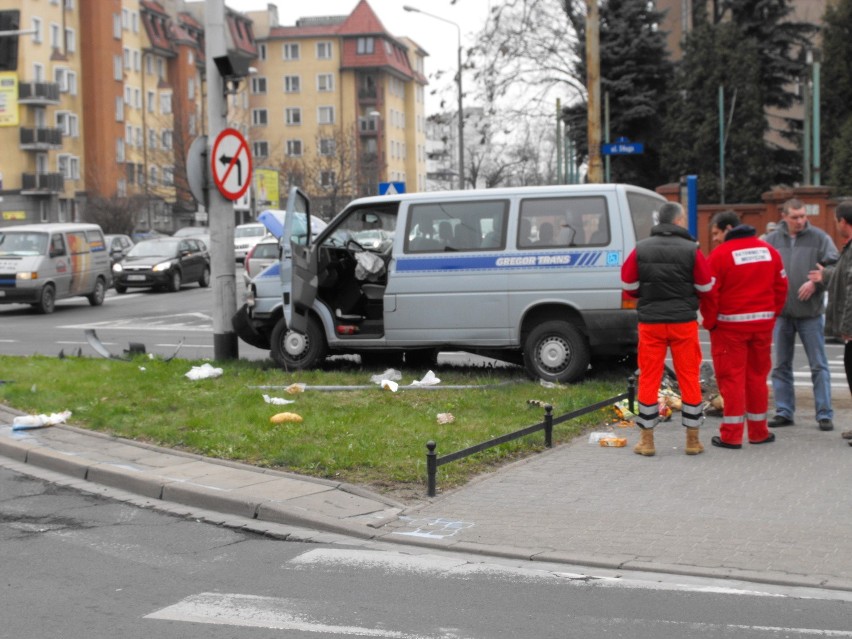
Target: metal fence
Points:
(433, 461)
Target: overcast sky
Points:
(438, 38)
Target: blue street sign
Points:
(623, 148)
(391, 188)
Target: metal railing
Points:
(433, 461)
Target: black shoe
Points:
(780, 420)
(717, 441)
(768, 440)
(826, 424)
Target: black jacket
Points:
(666, 276)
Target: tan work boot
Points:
(646, 443)
(693, 446)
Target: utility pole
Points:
(593, 88)
(221, 211)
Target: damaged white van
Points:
(529, 275)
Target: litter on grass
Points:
(446, 418)
(277, 400)
(26, 422)
(429, 379)
(205, 371)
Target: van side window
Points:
(563, 222)
(643, 213)
(96, 241)
(457, 226)
(57, 246)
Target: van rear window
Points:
(643, 213)
(557, 222)
(457, 226)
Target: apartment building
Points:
(337, 105)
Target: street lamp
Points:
(458, 82)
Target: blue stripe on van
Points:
(515, 261)
(273, 270)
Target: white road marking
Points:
(268, 612)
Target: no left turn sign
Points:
(230, 162)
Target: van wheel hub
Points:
(554, 352)
(295, 343)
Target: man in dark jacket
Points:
(802, 246)
(667, 273)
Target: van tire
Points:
(556, 351)
(293, 351)
(46, 300)
(97, 296)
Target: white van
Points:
(530, 275)
(42, 263)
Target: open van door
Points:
(297, 243)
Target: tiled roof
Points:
(362, 21)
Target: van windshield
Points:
(21, 243)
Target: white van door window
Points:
(457, 226)
(643, 213)
(562, 222)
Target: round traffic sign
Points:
(230, 164)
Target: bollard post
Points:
(631, 393)
(548, 426)
(431, 467)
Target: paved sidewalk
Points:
(777, 513)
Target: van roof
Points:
(512, 191)
(53, 227)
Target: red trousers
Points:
(654, 342)
(742, 360)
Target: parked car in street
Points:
(245, 237)
(163, 263)
(117, 246)
(260, 256)
(266, 252)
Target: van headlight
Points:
(29, 275)
(162, 266)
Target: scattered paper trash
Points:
(544, 383)
(298, 387)
(613, 442)
(446, 418)
(622, 411)
(392, 374)
(25, 422)
(142, 368)
(205, 371)
(281, 418)
(277, 400)
(429, 379)
(594, 438)
(389, 384)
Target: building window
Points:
(294, 148)
(327, 146)
(167, 139)
(325, 82)
(137, 61)
(62, 166)
(149, 64)
(74, 167)
(54, 36)
(168, 176)
(152, 139)
(258, 85)
(292, 84)
(260, 149)
(119, 150)
(117, 69)
(37, 29)
(60, 77)
(150, 101)
(261, 50)
(365, 46)
(291, 50)
(127, 59)
(327, 178)
(153, 176)
(116, 26)
(119, 109)
(71, 78)
(166, 103)
(323, 50)
(259, 117)
(293, 115)
(325, 115)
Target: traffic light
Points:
(10, 21)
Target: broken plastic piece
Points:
(205, 371)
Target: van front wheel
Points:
(556, 351)
(96, 297)
(47, 300)
(295, 351)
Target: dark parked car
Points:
(166, 262)
(117, 246)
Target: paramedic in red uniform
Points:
(740, 311)
(667, 273)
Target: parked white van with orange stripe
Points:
(43, 263)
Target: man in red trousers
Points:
(740, 311)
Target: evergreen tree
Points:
(635, 70)
(718, 55)
(836, 96)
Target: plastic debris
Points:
(391, 374)
(25, 422)
(389, 384)
(429, 379)
(277, 400)
(622, 411)
(446, 418)
(545, 384)
(613, 442)
(596, 437)
(296, 388)
(281, 418)
(205, 371)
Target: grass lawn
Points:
(361, 435)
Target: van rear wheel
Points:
(295, 351)
(556, 351)
(96, 297)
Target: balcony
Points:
(367, 95)
(367, 126)
(41, 139)
(42, 183)
(38, 93)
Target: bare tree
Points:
(114, 214)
